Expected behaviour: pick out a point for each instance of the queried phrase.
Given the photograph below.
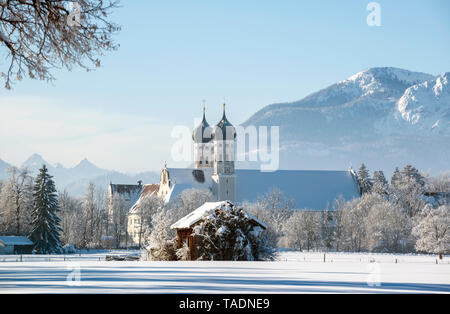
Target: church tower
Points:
(203, 144)
(224, 141)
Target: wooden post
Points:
(324, 257)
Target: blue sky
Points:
(174, 54)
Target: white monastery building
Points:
(214, 170)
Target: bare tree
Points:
(70, 218)
(16, 202)
(118, 219)
(41, 35)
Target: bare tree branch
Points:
(41, 35)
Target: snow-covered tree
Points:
(339, 210)
(439, 187)
(70, 218)
(364, 180)
(147, 208)
(327, 229)
(16, 202)
(388, 228)
(380, 184)
(433, 230)
(228, 234)
(409, 195)
(274, 209)
(93, 218)
(396, 177)
(118, 219)
(46, 230)
(302, 230)
(191, 199)
(160, 239)
(38, 36)
(356, 211)
(440, 183)
(414, 174)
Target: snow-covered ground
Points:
(293, 273)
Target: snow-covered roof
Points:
(313, 190)
(129, 192)
(191, 219)
(186, 178)
(194, 217)
(308, 189)
(147, 190)
(7, 241)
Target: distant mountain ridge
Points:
(75, 180)
(385, 117)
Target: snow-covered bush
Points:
(183, 253)
(69, 249)
(230, 234)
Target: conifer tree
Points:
(380, 184)
(412, 173)
(45, 222)
(396, 177)
(365, 182)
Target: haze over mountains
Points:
(75, 180)
(384, 117)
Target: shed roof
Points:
(191, 219)
(14, 240)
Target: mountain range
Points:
(384, 117)
(75, 180)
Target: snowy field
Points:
(293, 272)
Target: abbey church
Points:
(214, 170)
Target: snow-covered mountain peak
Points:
(375, 78)
(427, 104)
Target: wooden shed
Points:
(185, 225)
(15, 245)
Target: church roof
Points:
(202, 133)
(224, 129)
(129, 192)
(308, 189)
(147, 190)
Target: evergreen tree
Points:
(365, 182)
(380, 184)
(396, 177)
(45, 225)
(412, 173)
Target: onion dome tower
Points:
(203, 144)
(224, 139)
